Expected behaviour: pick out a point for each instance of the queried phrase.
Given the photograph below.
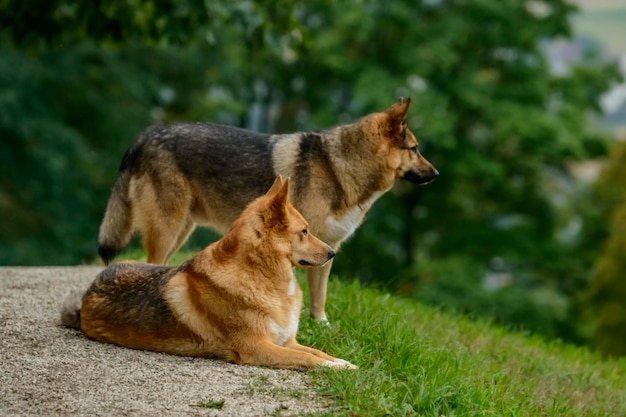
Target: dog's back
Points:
(204, 152)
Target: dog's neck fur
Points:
(342, 141)
(340, 172)
(231, 250)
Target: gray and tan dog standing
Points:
(237, 300)
(178, 176)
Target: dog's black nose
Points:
(331, 254)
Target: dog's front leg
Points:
(266, 353)
(336, 362)
(293, 344)
(317, 279)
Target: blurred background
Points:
(520, 104)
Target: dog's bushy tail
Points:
(70, 314)
(116, 227)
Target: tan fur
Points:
(236, 300)
(333, 186)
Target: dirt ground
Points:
(48, 370)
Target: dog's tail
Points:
(70, 314)
(117, 225)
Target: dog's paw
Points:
(345, 364)
(339, 364)
(323, 322)
(320, 319)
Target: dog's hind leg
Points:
(160, 240)
(186, 229)
(317, 279)
(161, 209)
(167, 229)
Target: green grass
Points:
(417, 361)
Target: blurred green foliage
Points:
(606, 299)
(32, 23)
(79, 80)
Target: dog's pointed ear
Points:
(279, 201)
(278, 183)
(282, 194)
(397, 111)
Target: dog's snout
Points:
(331, 254)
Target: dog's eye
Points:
(305, 232)
(413, 149)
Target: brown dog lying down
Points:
(236, 300)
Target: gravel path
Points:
(48, 370)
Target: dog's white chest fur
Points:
(339, 229)
(282, 334)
